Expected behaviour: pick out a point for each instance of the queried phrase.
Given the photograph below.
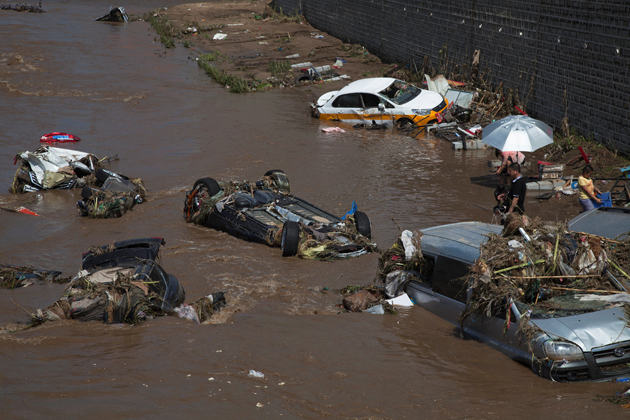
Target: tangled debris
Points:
(124, 300)
(12, 277)
(548, 271)
(29, 8)
(117, 194)
(53, 167)
(622, 398)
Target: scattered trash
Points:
(117, 14)
(293, 56)
(58, 137)
(219, 36)
(256, 374)
(401, 300)
(333, 129)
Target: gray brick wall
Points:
(543, 48)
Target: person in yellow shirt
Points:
(587, 191)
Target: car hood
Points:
(590, 330)
(426, 100)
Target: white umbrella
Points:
(517, 133)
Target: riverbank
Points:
(248, 46)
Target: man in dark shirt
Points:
(518, 189)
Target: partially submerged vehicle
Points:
(116, 14)
(119, 283)
(266, 212)
(550, 298)
(113, 195)
(380, 99)
(53, 167)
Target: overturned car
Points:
(550, 298)
(266, 212)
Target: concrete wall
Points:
(568, 56)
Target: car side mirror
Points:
(381, 107)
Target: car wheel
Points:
(280, 179)
(290, 238)
(204, 187)
(303, 78)
(364, 226)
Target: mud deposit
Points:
(123, 93)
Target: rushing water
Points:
(115, 87)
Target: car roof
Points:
(460, 241)
(609, 222)
(373, 84)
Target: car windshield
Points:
(566, 305)
(401, 92)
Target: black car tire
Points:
(364, 226)
(86, 192)
(290, 238)
(210, 185)
(272, 173)
(303, 78)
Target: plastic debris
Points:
(219, 36)
(333, 129)
(256, 374)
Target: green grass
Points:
(163, 28)
(277, 68)
(235, 83)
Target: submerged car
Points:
(380, 99)
(113, 195)
(575, 335)
(119, 283)
(266, 212)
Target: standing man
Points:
(518, 189)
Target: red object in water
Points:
(58, 137)
(26, 211)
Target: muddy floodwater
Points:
(115, 87)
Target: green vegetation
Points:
(278, 68)
(234, 83)
(163, 28)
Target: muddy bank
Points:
(252, 42)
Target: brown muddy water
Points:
(113, 86)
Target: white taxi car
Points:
(380, 99)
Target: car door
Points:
(371, 111)
(348, 107)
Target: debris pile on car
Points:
(126, 299)
(53, 167)
(546, 269)
(12, 277)
(113, 195)
(266, 212)
(122, 283)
